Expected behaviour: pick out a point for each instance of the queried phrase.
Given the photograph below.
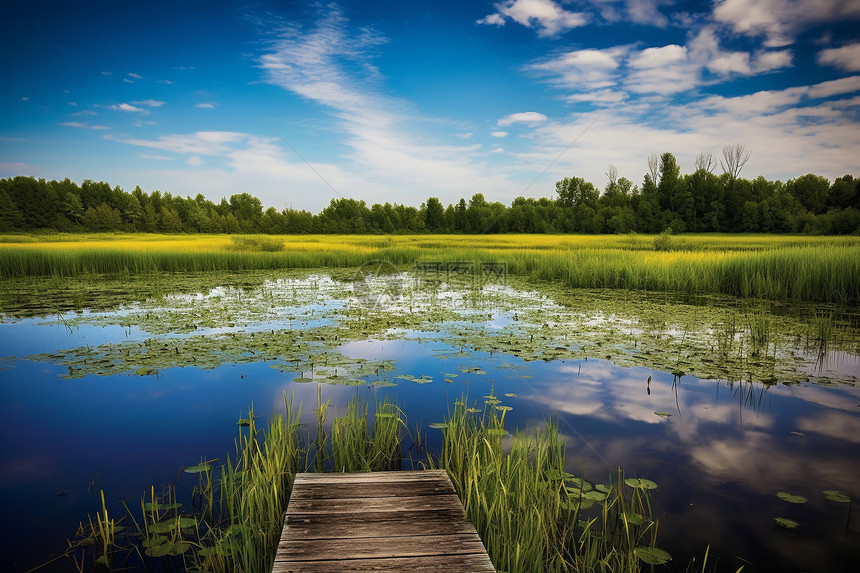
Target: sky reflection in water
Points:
(719, 458)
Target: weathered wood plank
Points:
(370, 489)
(378, 524)
(383, 521)
(435, 563)
(338, 505)
(377, 477)
(380, 547)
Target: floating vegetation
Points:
(652, 555)
(663, 414)
(640, 483)
(298, 322)
(203, 467)
(837, 496)
(786, 523)
(791, 498)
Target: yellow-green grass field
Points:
(777, 267)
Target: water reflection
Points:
(719, 448)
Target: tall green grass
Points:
(530, 514)
(769, 267)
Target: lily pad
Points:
(786, 523)
(510, 395)
(149, 506)
(837, 496)
(663, 414)
(497, 432)
(640, 483)
(791, 498)
(652, 555)
(634, 519)
(579, 483)
(438, 425)
(198, 468)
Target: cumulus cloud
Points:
(522, 117)
(499, 133)
(194, 161)
(206, 105)
(845, 58)
(546, 16)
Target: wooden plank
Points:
(381, 521)
(380, 547)
(379, 524)
(339, 505)
(370, 489)
(376, 477)
(432, 564)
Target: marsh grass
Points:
(819, 269)
(530, 514)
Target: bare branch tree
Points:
(705, 162)
(612, 175)
(736, 156)
(654, 167)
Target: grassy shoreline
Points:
(783, 268)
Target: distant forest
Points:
(697, 202)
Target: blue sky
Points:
(298, 103)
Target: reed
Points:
(530, 514)
(791, 268)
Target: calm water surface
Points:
(81, 416)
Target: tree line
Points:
(701, 201)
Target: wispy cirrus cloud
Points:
(83, 125)
(331, 63)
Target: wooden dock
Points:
(380, 521)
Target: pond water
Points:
(115, 385)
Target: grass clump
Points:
(531, 514)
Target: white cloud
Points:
(498, 150)
(646, 12)
(584, 70)
(209, 143)
(546, 16)
(784, 129)
(149, 103)
(81, 125)
(522, 117)
(135, 76)
(206, 105)
(663, 70)
(194, 161)
(499, 133)
(127, 107)
(155, 157)
(781, 20)
(846, 58)
(25, 98)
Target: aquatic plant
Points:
(531, 514)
